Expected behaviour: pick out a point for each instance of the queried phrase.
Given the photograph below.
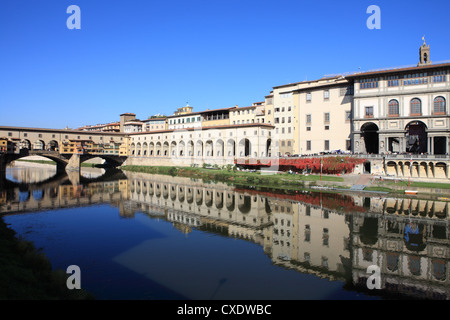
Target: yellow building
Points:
(123, 148)
(80, 147)
(6, 145)
(216, 117)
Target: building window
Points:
(392, 81)
(393, 108)
(308, 96)
(348, 115)
(415, 79)
(327, 145)
(308, 128)
(439, 76)
(289, 108)
(289, 130)
(326, 94)
(327, 127)
(289, 119)
(289, 143)
(326, 117)
(9, 134)
(369, 112)
(368, 83)
(439, 105)
(308, 145)
(308, 119)
(416, 107)
(277, 120)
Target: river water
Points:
(142, 236)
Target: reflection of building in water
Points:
(54, 195)
(182, 221)
(310, 238)
(329, 235)
(410, 244)
(244, 215)
(31, 174)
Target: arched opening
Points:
(391, 168)
(209, 148)
(39, 145)
(190, 149)
(151, 149)
(144, 149)
(245, 204)
(165, 149)
(173, 149)
(220, 148)
(158, 149)
(269, 148)
(416, 137)
(52, 146)
(199, 197)
(244, 148)
(138, 149)
(181, 147)
(369, 132)
(199, 148)
(219, 200)
(230, 202)
(25, 144)
(231, 148)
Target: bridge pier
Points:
(74, 163)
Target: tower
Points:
(124, 117)
(424, 53)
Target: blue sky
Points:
(150, 57)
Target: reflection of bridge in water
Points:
(335, 237)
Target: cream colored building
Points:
(324, 112)
(285, 118)
(247, 115)
(219, 145)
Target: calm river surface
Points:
(141, 236)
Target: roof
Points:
(61, 131)
(307, 81)
(397, 70)
(199, 112)
(207, 128)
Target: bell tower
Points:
(424, 53)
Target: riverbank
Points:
(286, 181)
(26, 274)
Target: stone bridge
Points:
(64, 162)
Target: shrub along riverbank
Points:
(26, 274)
(285, 181)
(229, 174)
